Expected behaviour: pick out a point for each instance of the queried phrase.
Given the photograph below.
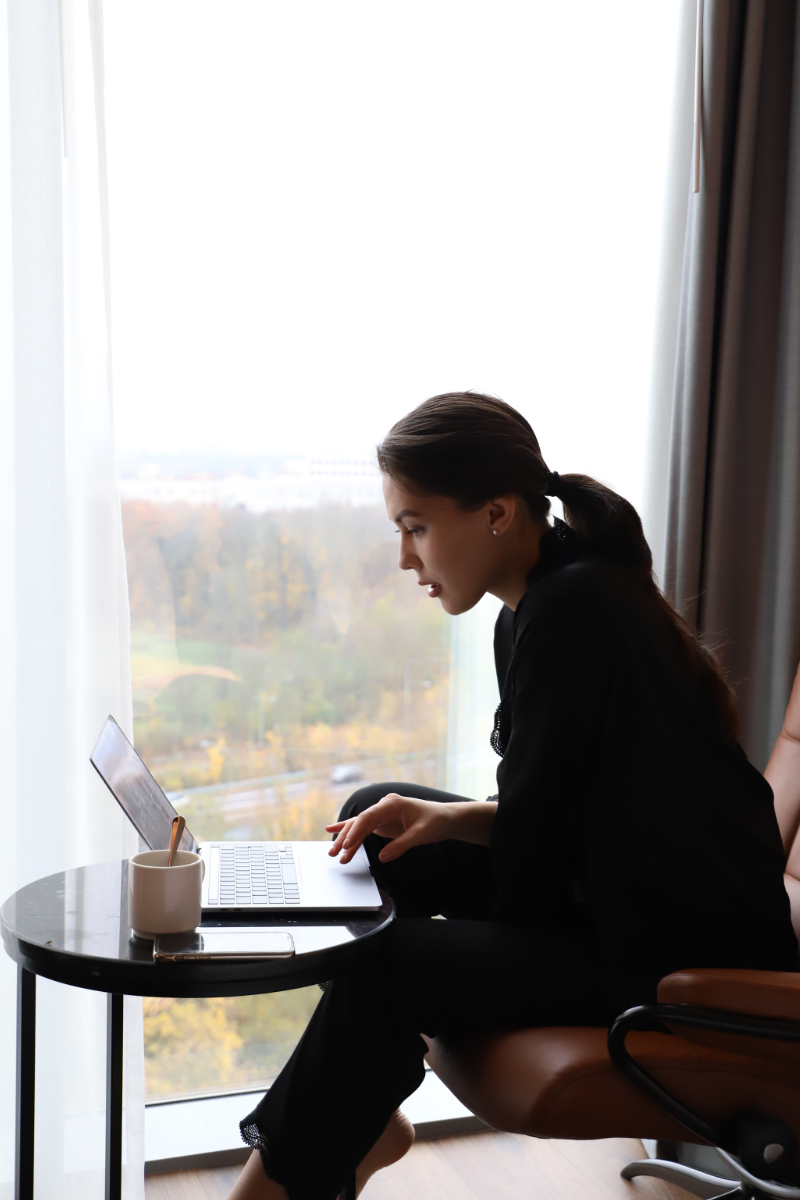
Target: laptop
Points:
(262, 876)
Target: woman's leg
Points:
(449, 879)
(362, 1053)
(395, 1141)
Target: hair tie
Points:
(552, 484)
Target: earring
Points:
(494, 531)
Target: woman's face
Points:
(456, 554)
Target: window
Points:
(279, 660)
(321, 214)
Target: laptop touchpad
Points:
(351, 884)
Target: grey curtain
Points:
(731, 455)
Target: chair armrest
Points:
(705, 1026)
(762, 993)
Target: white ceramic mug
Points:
(164, 899)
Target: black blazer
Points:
(622, 808)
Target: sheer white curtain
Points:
(474, 696)
(64, 628)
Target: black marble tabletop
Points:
(73, 927)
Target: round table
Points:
(73, 928)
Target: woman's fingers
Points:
(380, 817)
(351, 833)
(404, 821)
(338, 842)
(350, 836)
(421, 830)
(398, 846)
(337, 828)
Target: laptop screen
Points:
(135, 790)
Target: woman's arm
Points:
(409, 822)
(783, 770)
(562, 683)
(562, 673)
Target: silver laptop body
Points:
(238, 875)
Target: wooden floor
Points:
(481, 1166)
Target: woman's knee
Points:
(365, 797)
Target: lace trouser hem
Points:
(253, 1136)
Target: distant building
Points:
(297, 483)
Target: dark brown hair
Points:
(472, 448)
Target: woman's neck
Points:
(523, 551)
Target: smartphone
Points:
(229, 944)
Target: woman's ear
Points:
(500, 513)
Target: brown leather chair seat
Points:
(561, 1083)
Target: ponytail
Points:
(611, 529)
(609, 526)
(473, 448)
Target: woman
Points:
(630, 836)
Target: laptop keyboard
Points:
(255, 874)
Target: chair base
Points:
(702, 1183)
(699, 1183)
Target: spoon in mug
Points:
(178, 826)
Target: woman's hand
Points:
(408, 822)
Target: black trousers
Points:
(362, 1053)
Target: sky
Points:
(322, 213)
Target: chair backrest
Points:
(783, 773)
(791, 877)
(793, 889)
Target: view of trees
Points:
(195, 1046)
(278, 659)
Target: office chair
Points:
(727, 1075)
(729, 1078)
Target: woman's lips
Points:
(434, 589)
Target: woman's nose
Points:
(406, 558)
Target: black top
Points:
(622, 807)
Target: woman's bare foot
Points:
(395, 1141)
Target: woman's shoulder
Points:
(557, 595)
(574, 597)
(584, 585)
(561, 607)
(562, 625)
(594, 611)
(567, 571)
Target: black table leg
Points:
(114, 1032)
(26, 1083)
